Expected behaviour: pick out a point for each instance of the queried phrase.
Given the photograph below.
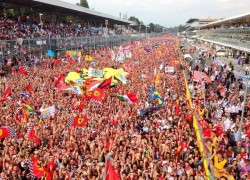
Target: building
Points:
(61, 7)
(231, 34)
(58, 11)
(193, 24)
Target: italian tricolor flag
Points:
(130, 97)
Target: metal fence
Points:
(39, 46)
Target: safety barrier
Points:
(198, 132)
(39, 46)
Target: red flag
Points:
(79, 121)
(29, 89)
(2, 99)
(132, 97)
(180, 148)
(110, 172)
(188, 117)
(58, 79)
(202, 123)
(105, 85)
(206, 132)
(4, 132)
(32, 136)
(58, 61)
(7, 92)
(80, 106)
(48, 175)
(88, 95)
(23, 70)
(97, 95)
(18, 118)
(36, 167)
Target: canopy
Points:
(187, 56)
(198, 75)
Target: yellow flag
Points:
(157, 78)
(88, 58)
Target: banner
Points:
(74, 53)
(128, 54)
(95, 73)
(121, 57)
(50, 111)
(169, 69)
(40, 42)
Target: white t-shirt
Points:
(226, 124)
(212, 78)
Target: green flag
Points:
(123, 98)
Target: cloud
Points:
(170, 12)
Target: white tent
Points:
(187, 56)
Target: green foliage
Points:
(151, 27)
(134, 19)
(15, 11)
(172, 30)
(83, 3)
(158, 28)
(181, 28)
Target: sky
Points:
(170, 13)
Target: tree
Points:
(158, 28)
(134, 19)
(172, 30)
(83, 3)
(151, 27)
(181, 28)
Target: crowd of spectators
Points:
(230, 26)
(156, 145)
(38, 26)
(220, 106)
(13, 27)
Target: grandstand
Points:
(193, 24)
(232, 34)
(57, 6)
(31, 27)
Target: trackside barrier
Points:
(198, 133)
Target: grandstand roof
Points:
(208, 19)
(192, 20)
(66, 8)
(233, 19)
